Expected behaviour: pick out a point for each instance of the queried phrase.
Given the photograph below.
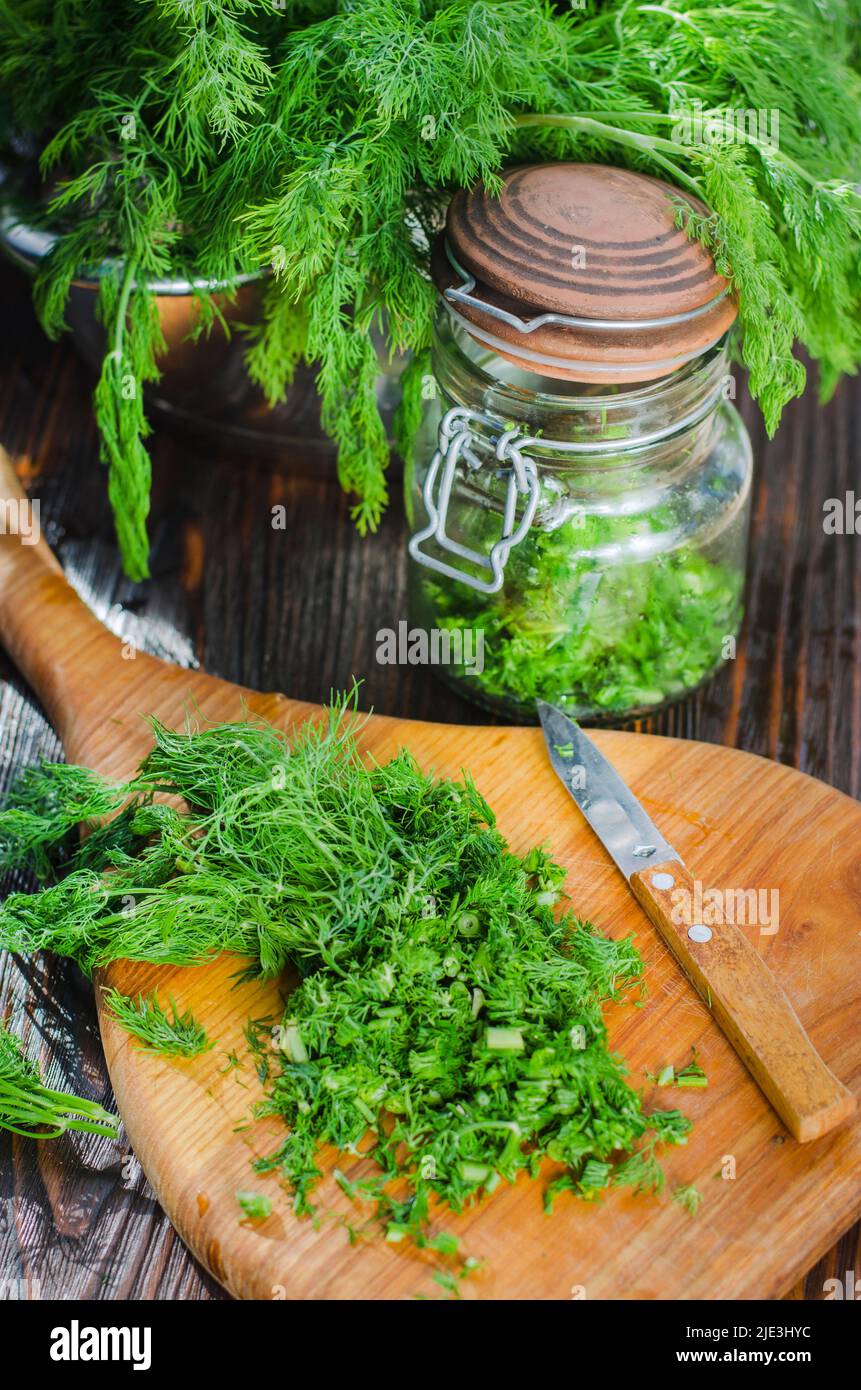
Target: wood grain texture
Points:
(300, 610)
(742, 994)
(766, 827)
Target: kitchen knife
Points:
(724, 968)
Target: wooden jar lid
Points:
(598, 246)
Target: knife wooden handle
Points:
(748, 1003)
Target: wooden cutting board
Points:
(739, 821)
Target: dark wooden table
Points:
(298, 610)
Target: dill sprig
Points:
(322, 139)
(169, 1035)
(35, 1111)
(447, 1005)
(688, 1197)
(47, 806)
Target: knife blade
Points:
(724, 967)
(608, 803)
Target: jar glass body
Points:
(626, 590)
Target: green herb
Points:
(450, 1280)
(689, 1198)
(443, 1008)
(36, 1112)
(591, 639)
(320, 138)
(691, 1075)
(458, 1102)
(255, 1206)
(177, 1036)
(48, 804)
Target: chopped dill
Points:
(448, 1019)
(145, 1019)
(255, 1206)
(688, 1197)
(692, 1075)
(34, 1111)
(648, 632)
(232, 1062)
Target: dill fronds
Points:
(321, 140)
(145, 1019)
(30, 1109)
(46, 807)
(445, 1005)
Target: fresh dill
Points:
(233, 1062)
(33, 1110)
(43, 822)
(447, 1006)
(691, 1075)
(648, 633)
(255, 1205)
(689, 1198)
(169, 1035)
(321, 141)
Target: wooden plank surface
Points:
(299, 610)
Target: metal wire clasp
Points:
(455, 442)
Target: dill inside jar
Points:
(579, 497)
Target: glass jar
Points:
(579, 544)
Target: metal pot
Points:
(204, 388)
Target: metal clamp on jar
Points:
(581, 491)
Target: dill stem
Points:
(122, 310)
(38, 1107)
(654, 145)
(665, 11)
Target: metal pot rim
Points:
(29, 245)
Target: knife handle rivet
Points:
(663, 880)
(699, 933)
